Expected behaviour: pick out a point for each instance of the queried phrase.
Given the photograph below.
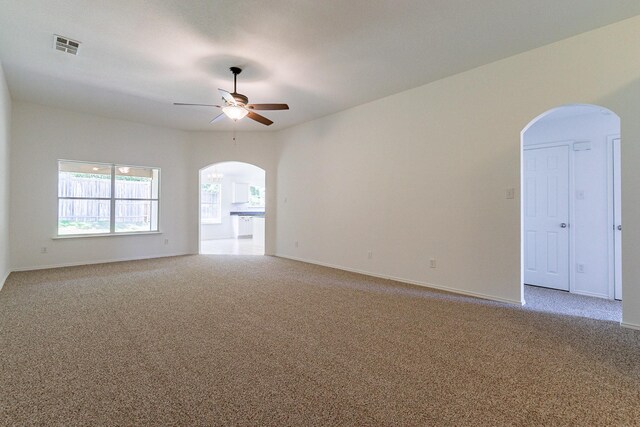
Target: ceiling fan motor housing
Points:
(240, 98)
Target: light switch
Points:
(510, 193)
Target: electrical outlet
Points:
(43, 250)
(296, 243)
(510, 193)
(370, 254)
(580, 268)
(166, 241)
(432, 263)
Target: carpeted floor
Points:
(224, 340)
(560, 302)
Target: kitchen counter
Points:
(248, 213)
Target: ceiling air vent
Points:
(65, 44)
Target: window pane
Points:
(83, 216)
(256, 196)
(136, 182)
(210, 203)
(136, 215)
(91, 180)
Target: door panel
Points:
(546, 208)
(552, 252)
(530, 250)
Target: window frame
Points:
(263, 192)
(112, 200)
(215, 220)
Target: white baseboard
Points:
(630, 326)
(590, 294)
(402, 280)
(103, 261)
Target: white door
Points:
(546, 217)
(617, 221)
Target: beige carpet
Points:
(224, 340)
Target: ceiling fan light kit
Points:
(236, 105)
(234, 112)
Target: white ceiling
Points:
(138, 57)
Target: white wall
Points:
(428, 179)
(5, 134)
(42, 135)
(257, 148)
(590, 225)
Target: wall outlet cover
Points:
(510, 193)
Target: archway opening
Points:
(571, 230)
(232, 209)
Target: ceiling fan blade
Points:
(196, 105)
(268, 107)
(227, 97)
(258, 118)
(216, 118)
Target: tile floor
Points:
(232, 247)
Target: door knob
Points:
(620, 228)
(563, 225)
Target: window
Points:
(211, 203)
(99, 198)
(256, 196)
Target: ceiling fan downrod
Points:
(235, 71)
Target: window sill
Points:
(82, 236)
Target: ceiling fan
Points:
(236, 105)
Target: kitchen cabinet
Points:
(258, 229)
(240, 192)
(242, 226)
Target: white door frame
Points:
(613, 266)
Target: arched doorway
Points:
(232, 209)
(570, 220)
